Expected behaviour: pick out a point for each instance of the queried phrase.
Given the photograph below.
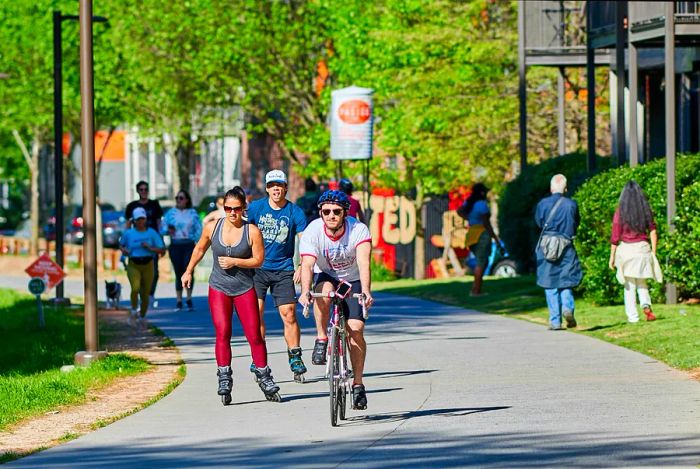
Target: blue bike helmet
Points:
(334, 197)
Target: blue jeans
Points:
(559, 300)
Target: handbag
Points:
(553, 244)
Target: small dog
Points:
(114, 294)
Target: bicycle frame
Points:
(337, 370)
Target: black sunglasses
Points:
(142, 189)
(336, 211)
(228, 209)
(180, 197)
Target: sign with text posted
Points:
(45, 268)
(352, 118)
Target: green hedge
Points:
(597, 200)
(684, 243)
(516, 207)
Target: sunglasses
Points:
(179, 197)
(238, 209)
(336, 211)
(142, 189)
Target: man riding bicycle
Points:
(340, 246)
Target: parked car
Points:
(113, 224)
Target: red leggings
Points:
(246, 304)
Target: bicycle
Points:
(337, 370)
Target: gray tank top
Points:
(234, 281)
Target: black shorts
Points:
(279, 282)
(351, 307)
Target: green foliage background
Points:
(677, 253)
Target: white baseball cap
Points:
(275, 176)
(139, 213)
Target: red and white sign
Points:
(354, 111)
(45, 268)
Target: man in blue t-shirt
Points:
(279, 221)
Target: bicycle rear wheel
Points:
(333, 376)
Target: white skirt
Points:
(635, 260)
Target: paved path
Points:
(447, 387)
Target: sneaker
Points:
(556, 328)
(570, 320)
(178, 306)
(318, 356)
(359, 397)
(649, 314)
(155, 303)
(190, 306)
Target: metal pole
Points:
(634, 89)
(58, 145)
(522, 83)
(560, 105)
(620, 72)
(670, 96)
(590, 84)
(87, 141)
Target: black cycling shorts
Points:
(351, 307)
(279, 282)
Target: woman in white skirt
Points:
(633, 250)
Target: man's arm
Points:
(307, 274)
(364, 253)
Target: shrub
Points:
(684, 243)
(597, 200)
(516, 207)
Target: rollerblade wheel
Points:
(226, 399)
(299, 378)
(273, 397)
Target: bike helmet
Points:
(346, 185)
(334, 197)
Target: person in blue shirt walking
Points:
(279, 221)
(140, 243)
(184, 227)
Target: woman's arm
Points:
(197, 254)
(611, 261)
(654, 238)
(487, 224)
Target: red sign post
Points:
(45, 268)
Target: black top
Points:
(153, 210)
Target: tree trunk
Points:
(171, 150)
(34, 190)
(419, 243)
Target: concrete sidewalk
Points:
(447, 387)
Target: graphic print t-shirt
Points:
(336, 257)
(278, 228)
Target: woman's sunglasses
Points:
(179, 197)
(336, 211)
(238, 209)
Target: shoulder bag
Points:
(553, 244)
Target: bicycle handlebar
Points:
(331, 294)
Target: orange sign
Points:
(45, 268)
(354, 111)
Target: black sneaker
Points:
(318, 356)
(359, 397)
(178, 306)
(190, 306)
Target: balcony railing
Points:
(556, 27)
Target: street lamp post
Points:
(58, 19)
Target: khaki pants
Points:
(140, 279)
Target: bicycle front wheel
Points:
(342, 388)
(333, 375)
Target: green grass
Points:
(673, 338)
(30, 357)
